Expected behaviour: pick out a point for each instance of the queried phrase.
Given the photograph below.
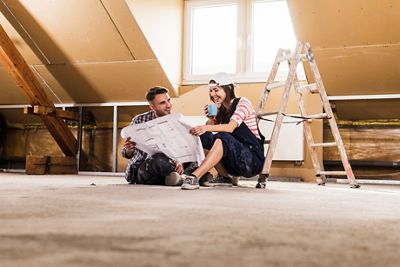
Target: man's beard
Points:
(160, 114)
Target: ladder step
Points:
(309, 117)
(275, 85)
(266, 142)
(309, 87)
(317, 116)
(323, 144)
(342, 173)
(260, 115)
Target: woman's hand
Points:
(199, 130)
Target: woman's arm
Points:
(226, 127)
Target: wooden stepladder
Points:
(293, 60)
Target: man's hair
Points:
(157, 90)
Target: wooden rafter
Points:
(15, 64)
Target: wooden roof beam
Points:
(15, 64)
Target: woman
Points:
(232, 141)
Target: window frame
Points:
(244, 44)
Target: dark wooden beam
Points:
(64, 114)
(15, 64)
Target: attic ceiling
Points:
(90, 51)
(357, 45)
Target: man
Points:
(157, 169)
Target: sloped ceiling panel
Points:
(356, 44)
(88, 51)
(94, 77)
(9, 92)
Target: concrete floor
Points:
(68, 221)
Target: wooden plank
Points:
(14, 63)
(62, 165)
(40, 165)
(36, 165)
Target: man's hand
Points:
(177, 165)
(129, 146)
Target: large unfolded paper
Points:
(168, 134)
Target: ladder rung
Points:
(266, 142)
(309, 87)
(267, 114)
(323, 144)
(343, 173)
(275, 85)
(308, 117)
(317, 116)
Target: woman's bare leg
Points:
(213, 157)
(221, 169)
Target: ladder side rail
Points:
(331, 120)
(270, 80)
(279, 116)
(308, 135)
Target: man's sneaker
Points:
(190, 182)
(219, 181)
(173, 179)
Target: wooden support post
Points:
(15, 64)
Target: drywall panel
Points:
(99, 83)
(129, 29)
(19, 42)
(71, 30)
(82, 51)
(162, 23)
(368, 109)
(9, 92)
(360, 70)
(356, 44)
(346, 23)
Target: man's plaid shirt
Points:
(138, 156)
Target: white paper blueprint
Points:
(168, 134)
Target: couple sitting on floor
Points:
(231, 140)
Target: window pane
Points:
(272, 29)
(214, 34)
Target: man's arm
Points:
(129, 149)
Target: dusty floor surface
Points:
(66, 221)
